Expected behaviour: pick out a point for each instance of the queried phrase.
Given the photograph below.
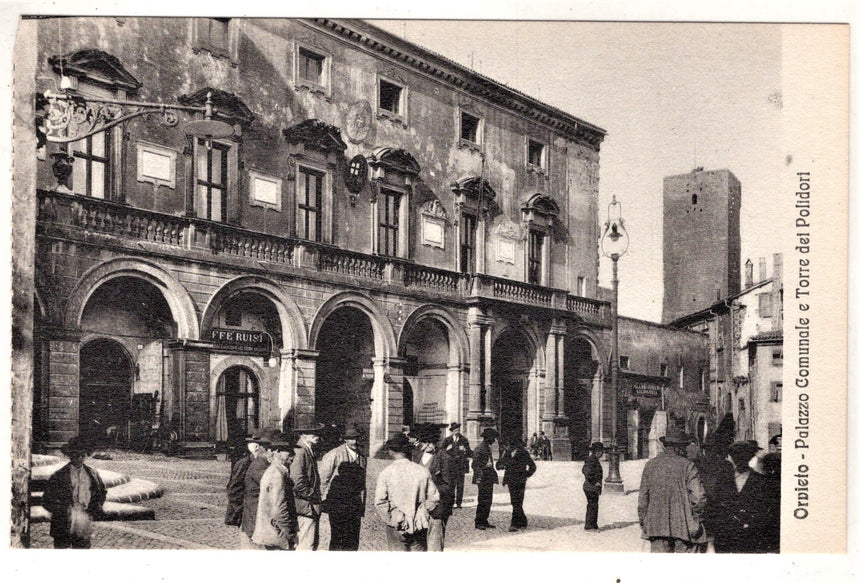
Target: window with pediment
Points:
(315, 155)
(96, 161)
(392, 174)
(473, 196)
(539, 214)
(213, 164)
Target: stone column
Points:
(297, 387)
(455, 389)
(488, 372)
(549, 409)
(475, 411)
(63, 387)
(191, 390)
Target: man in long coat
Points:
(253, 475)
(304, 473)
(672, 499)
(754, 506)
(74, 495)
(255, 447)
(592, 486)
(444, 467)
(458, 445)
(276, 527)
(485, 476)
(519, 467)
(343, 473)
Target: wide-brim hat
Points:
(351, 431)
(489, 432)
(308, 428)
(675, 436)
(454, 425)
(76, 445)
(743, 451)
(399, 442)
(596, 446)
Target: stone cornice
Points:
(435, 65)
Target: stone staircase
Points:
(122, 491)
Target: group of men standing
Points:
(277, 493)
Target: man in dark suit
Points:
(306, 479)
(593, 484)
(444, 468)
(485, 476)
(343, 473)
(74, 495)
(519, 467)
(458, 445)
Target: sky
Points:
(671, 97)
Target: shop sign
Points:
(646, 390)
(241, 339)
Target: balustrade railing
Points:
(229, 240)
(521, 292)
(350, 263)
(439, 280)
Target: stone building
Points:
(701, 240)
(383, 236)
(745, 344)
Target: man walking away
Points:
(459, 446)
(593, 484)
(405, 497)
(485, 476)
(519, 467)
(276, 526)
(672, 499)
(443, 466)
(343, 473)
(306, 477)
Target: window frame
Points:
(400, 116)
(225, 172)
(90, 160)
(532, 259)
(478, 142)
(201, 39)
(321, 88)
(320, 210)
(386, 193)
(468, 241)
(542, 168)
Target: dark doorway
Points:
(581, 367)
(512, 361)
(408, 404)
(238, 408)
(105, 392)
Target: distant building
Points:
(745, 339)
(701, 240)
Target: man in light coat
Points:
(343, 473)
(405, 497)
(255, 447)
(276, 527)
(306, 477)
(672, 499)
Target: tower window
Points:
(695, 199)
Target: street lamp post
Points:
(614, 244)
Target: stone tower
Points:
(701, 240)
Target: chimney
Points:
(777, 266)
(762, 268)
(748, 273)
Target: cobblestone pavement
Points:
(190, 515)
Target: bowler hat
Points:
(76, 445)
(489, 432)
(399, 442)
(675, 436)
(596, 446)
(308, 428)
(351, 432)
(743, 451)
(454, 425)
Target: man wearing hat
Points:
(672, 499)
(459, 446)
(753, 505)
(444, 467)
(717, 476)
(74, 495)
(405, 497)
(253, 477)
(254, 448)
(275, 527)
(593, 484)
(485, 476)
(343, 474)
(306, 477)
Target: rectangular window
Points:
(536, 154)
(389, 221)
(311, 66)
(470, 127)
(468, 239)
(213, 35)
(624, 362)
(390, 96)
(91, 168)
(309, 202)
(664, 369)
(701, 380)
(776, 359)
(211, 180)
(776, 391)
(681, 377)
(580, 286)
(535, 260)
(765, 307)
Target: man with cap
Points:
(485, 476)
(276, 527)
(343, 474)
(593, 484)
(444, 468)
(306, 477)
(257, 466)
(459, 446)
(74, 495)
(254, 447)
(405, 497)
(672, 499)
(717, 476)
(753, 505)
